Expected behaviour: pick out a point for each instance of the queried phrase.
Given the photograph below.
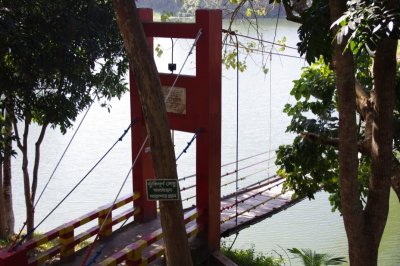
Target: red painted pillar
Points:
(203, 111)
(18, 257)
(144, 167)
(208, 145)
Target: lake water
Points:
(309, 224)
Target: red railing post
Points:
(144, 166)
(17, 257)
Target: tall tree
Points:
(155, 114)
(6, 207)
(57, 57)
(365, 156)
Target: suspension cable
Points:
(254, 50)
(270, 86)
(189, 143)
(61, 158)
(237, 121)
(75, 187)
(88, 253)
(264, 41)
(72, 138)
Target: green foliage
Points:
(311, 258)
(59, 56)
(165, 16)
(249, 257)
(314, 34)
(367, 22)
(309, 166)
(229, 59)
(159, 50)
(282, 42)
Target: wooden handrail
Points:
(65, 232)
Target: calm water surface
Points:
(310, 224)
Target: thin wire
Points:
(270, 89)
(189, 143)
(233, 242)
(254, 50)
(141, 148)
(244, 159)
(73, 189)
(63, 154)
(89, 252)
(72, 138)
(237, 122)
(61, 158)
(264, 41)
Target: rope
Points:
(244, 177)
(233, 242)
(237, 118)
(253, 50)
(263, 41)
(270, 87)
(61, 158)
(258, 184)
(87, 255)
(73, 189)
(72, 138)
(189, 143)
(246, 158)
(141, 148)
(248, 166)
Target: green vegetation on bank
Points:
(250, 257)
(307, 257)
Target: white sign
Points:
(176, 102)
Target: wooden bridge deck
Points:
(254, 204)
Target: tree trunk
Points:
(23, 147)
(6, 191)
(377, 207)
(352, 208)
(364, 228)
(3, 230)
(37, 161)
(155, 115)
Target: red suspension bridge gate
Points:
(194, 105)
(199, 99)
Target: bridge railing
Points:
(255, 169)
(63, 238)
(136, 253)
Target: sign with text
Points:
(162, 189)
(176, 102)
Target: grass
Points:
(249, 257)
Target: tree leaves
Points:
(314, 34)
(312, 164)
(59, 56)
(366, 23)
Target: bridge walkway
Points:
(254, 204)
